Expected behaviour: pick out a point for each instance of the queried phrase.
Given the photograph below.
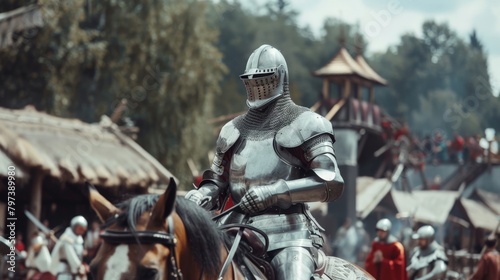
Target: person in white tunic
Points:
(38, 260)
(67, 254)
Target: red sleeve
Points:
(20, 246)
(395, 262)
(481, 269)
(369, 265)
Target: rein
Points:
(233, 249)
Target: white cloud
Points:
(493, 62)
(396, 17)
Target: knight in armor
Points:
(272, 160)
(67, 254)
(428, 260)
(38, 260)
(386, 260)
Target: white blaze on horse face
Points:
(117, 264)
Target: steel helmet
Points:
(265, 77)
(384, 225)
(425, 232)
(79, 221)
(38, 240)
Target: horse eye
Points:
(147, 273)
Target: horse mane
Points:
(204, 238)
(132, 209)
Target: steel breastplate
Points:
(255, 163)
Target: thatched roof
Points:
(491, 200)
(434, 206)
(74, 151)
(478, 215)
(18, 20)
(370, 193)
(343, 64)
(368, 70)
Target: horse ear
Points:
(103, 208)
(165, 205)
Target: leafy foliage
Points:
(91, 54)
(438, 81)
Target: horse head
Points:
(118, 258)
(199, 251)
(157, 237)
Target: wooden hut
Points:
(53, 157)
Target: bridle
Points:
(167, 239)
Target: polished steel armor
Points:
(273, 160)
(430, 261)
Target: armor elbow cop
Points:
(324, 185)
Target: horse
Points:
(165, 237)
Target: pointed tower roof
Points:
(341, 64)
(368, 71)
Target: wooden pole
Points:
(471, 250)
(451, 245)
(35, 202)
(326, 88)
(118, 111)
(359, 90)
(372, 95)
(347, 89)
(347, 97)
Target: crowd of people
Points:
(436, 147)
(50, 258)
(419, 258)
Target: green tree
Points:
(9, 5)
(160, 56)
(423, 71)
(46, 66)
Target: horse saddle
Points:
(251, 239)
(253, 265)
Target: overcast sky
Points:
(383, 21)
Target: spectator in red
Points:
(387, 129)
(457, 148)
(19, 243)
(402, 131)
(436, 184)
(386, 260)
(475, 151)
(488, 267)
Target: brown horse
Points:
(161, 237)
(131, 252)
